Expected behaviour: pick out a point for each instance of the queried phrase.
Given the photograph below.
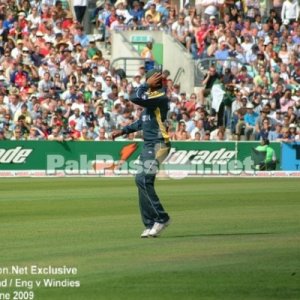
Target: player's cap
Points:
(150, 73)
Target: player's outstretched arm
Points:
(135, 126)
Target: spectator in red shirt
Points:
(74, 134)
(201, 35)
(68, 21)
(19, 77)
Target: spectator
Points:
(290, 11)
(119, 23)
(286, 101)
(56, 135)
(198, 129)
(84, 135)
(23, 112)
(2, 135)
(19, 77)
(101, 17)
(207, 84)
(286, 136)
(153, 13)
(264, 115)
(265, 129)
(136, 11)
(3, 107)
(188, 121)
(276, 134)
(78, 119)
(80, 8)
(207, 136)
(293, 131)
(147, 54)
(45, 84)
(249, 122)
(190, 104)
(18, 135)
(103, 136)
(181, 32)
(197, 136)
(218, 134)
(7, 130)
(91, 134)
(80, 37)
(181, 132)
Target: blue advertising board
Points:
(290, 156)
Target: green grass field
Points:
(229, 238)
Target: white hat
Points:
(48, 40)
(104, 96)
(249, 105)
(286, 22)
(57, 31)
(198, 105)
(267, 40)
(292, 125)
(39, 33)
(2, 78)
(119, 2)
(121, 94)
(97, 37)
(99, 3)
(25, 49)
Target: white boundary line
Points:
(175, 175)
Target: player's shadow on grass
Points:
(219, 234)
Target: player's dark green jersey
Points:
(152, 120)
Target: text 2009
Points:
(23, 295)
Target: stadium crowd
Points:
(56, 84)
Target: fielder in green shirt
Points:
(269, 161)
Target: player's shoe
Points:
(145, 233)
(158, 228)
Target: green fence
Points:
(121, 157)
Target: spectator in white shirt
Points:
(290, 10)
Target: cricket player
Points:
(150, 95)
